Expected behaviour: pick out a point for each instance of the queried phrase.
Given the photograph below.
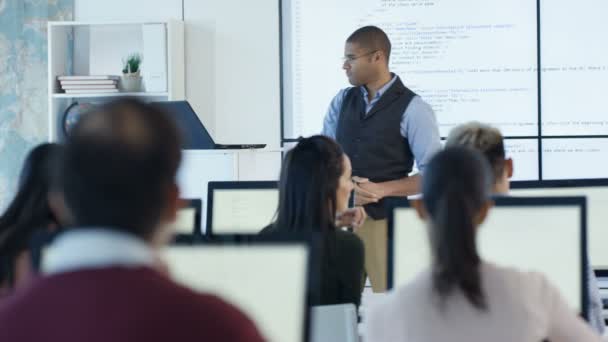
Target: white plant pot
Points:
(131, 83)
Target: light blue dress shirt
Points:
(418, 123)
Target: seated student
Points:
(28, 212)
(314, 188)
(461, 297)
(118, 186)
(489, 142)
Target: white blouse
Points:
(521, 306)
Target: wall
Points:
(232, 60)
(127, 10)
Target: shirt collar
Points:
(96, 248)
(382, 90)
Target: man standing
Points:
(383, 127)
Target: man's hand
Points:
(366, 192)
(370, 192)
(352, 217)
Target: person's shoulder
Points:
(228, 321)
(9, 303)
(220, 308)
(19, 305)
(269, 229)
(399, 304)
(342, 93)
(350, 250)
(346, 90)
(530, 283)
(349, 241)
(235, 322)
(506, 272)
(418, 104)
(421, 283)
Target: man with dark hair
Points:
(383, 127)
(103, 280)
(373, 38)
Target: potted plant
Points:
(131, 78)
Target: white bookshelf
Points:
(97, 48)
(120, 94)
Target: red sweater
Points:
(118, 304)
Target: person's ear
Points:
(483, 212)
(162, 236)
(379, 55)
(173, 203)
(418, 205)
(59, 208)
(509, 167)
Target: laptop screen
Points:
(194, 133)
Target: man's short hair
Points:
(372, 38)
(120, 163)
(484, 138)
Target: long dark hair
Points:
(308, 183)
(29, 210)
(456, 185)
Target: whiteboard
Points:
(480, 64)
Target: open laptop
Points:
(195, 135)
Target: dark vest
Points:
(373, 141)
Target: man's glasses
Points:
(351, 59)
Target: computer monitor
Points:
(188, 219)
(243, 207)
(544, 234)
(596, 191)
(266, 279)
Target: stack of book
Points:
(89, 84)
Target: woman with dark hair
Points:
(314, 189)
(461, 297)
(27, 213)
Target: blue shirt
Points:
(418, 123)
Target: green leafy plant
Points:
(131, 63)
